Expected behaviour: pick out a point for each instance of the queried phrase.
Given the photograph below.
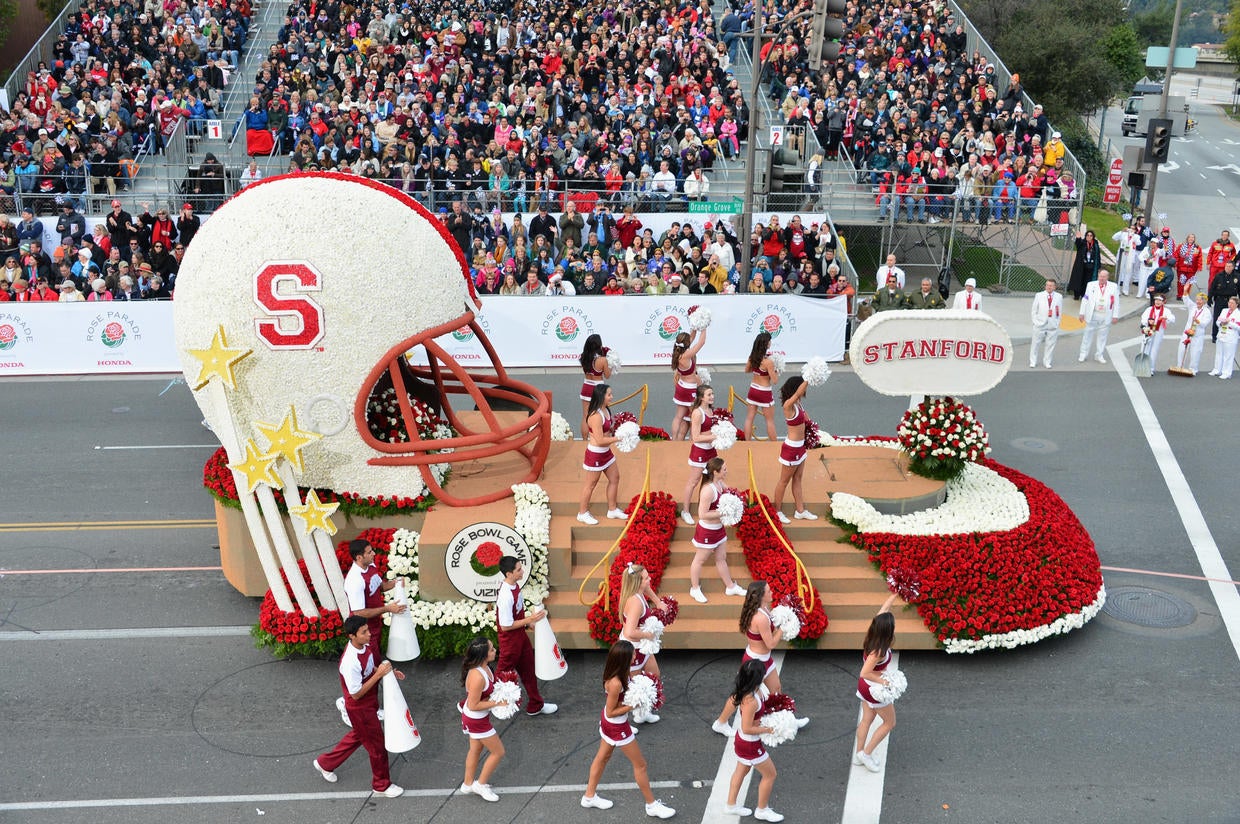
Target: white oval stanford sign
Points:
(926, 352)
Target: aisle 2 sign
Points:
(1116, 176)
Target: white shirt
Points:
(884, 270)
(1147, 318)
(1097, 303)
(1047, 309)
(1202, 314)
(506, 603)
(967, 300)
(351, 668)
(355, 587)
(726, 259)
(664, 182)
(695, 185)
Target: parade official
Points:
(889, 297)
(1194, 338)
(1226, 285)
(1154, 323)
(890, 268)
(1228, 337)
(1128, 267)
(1099, 309)
(1188, 260)
(1046, 314)
(1221, 251)
(360, 673)
(927, 298)
(970, 298)
(515, 650)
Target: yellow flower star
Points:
(218, 361)
(258, 468)
(315, 514)
(288, 439)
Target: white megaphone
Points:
(400, 734)
(549, 663)
(402, 644)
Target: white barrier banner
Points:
(134, 337)
(87, 338)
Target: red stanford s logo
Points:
(282, 290)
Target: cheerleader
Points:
(599, 459)
(876, 651)
(594, 364)
(709, 536)
(477, 678)
(701, 450)
(792, 453)
(748, 693)
(761, 639)
(684, 367)
(761, 395)
(1228, 337)
(636, 596)
(615, 731)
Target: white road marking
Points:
(1230, 167)
(165, 446)
(1221, 192)
(863, 799)
(125, 634)
(713, 814)
(1208, 557)
(1203, 175)
(342, 795)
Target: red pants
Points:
(517, 653)
(367, 732)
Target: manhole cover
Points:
(1041, 445)
(1149, 608)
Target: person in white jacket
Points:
(1199, 319)
(1228, 337)
(1128, 268)
(696, 186)
(1154, 322)
(969, 297)
(1099, 309)
(1045, 313)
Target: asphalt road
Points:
(1113, 722)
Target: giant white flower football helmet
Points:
(330, 280)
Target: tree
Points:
(51, 8)
(1232, 31)
(1122, 51)
(8, 12)
(1153, 27)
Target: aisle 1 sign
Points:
(1111, 195)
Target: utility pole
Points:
(1162, 109)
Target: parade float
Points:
(319, 363)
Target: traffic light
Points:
(1158, 140)
(825, 32)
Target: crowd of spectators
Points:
(124, 73)
(509, 105)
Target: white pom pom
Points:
(629, 435)
(560, 428)
(700, 319)
(641, 694)
(651, 646)
(816, 371)
(509, 693)
(731, 509)
(783, 725)
(777, 361)
(783, 617)
(703, 375)
(613, 363)
(891, 688)
(725, 435)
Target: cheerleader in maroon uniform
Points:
(594, 364)
(636, 600)
(709, 536)
(684, 367)
(701, 450)
(615, 731)
(477, 678)
(761, 638)
(876, 651)
(761, 393)
(792, 453)
(749, 693)
(599, 459)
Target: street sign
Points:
(1156, 57)
(717, 207)
(1114, 178)
(777, 137)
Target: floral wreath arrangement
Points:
(445, 627)
(941, 436)
(769, 561)
(1002, 563)
(648, 542)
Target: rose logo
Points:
(412, 726)
(772, 324)
(559, 659)
(670, 327)
(485, 560)
(463, 334)
(8, 337)
(113, 335)
(566, 330)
